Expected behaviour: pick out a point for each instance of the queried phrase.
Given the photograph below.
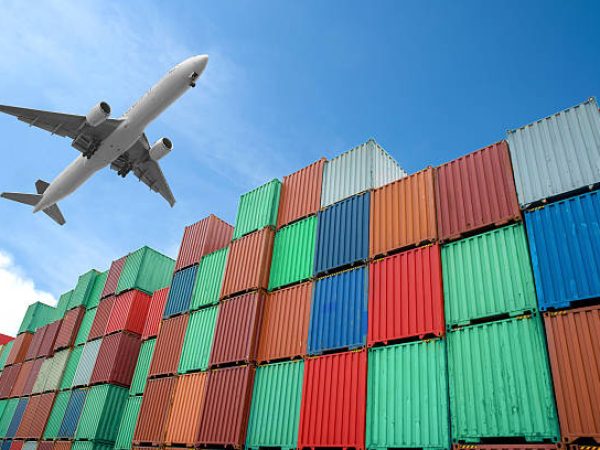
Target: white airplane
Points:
(120, 143)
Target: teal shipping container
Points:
(257, 209)
(146, 270)
(197, 344)
(83, 289)
(86, 326)
(128, 421)
(7, 414)
(209, 279)
(102, 413)
(96, 293)
(140, 375)
(37, 315)
(57, 415)
(71, 368)
(63, 304)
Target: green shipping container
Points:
(293, 253)
(63, 304)
(4, 355)
(146, 270)
(257, 209)
(138, 382)
(37, 315)
(275, 410)
(71, 368)
(102, 413)
(407, 396)
(96, 293)
(198, 340)
(90, 445)
(500, 383)
(209, 279)
(3, 404)
(488, 275)
(83, 290)
(128, 422)
(56, 416)
(7, 414)
(85, 327)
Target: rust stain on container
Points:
(284, 329)
(129, 312)
(403, 214)
(476, 191)
(202, 238)
(154, 412)
(19, 349)
(168, 346)
(101, 319)
(112, 279)
(69, 329)
(187, 409)
(116, 359)
(155, 313)
(248, 263)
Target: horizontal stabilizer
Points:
(41, 186)
(54, 213)
(28, 199)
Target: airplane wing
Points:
(137, 159)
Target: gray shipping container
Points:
(86, 363)
(51, 372)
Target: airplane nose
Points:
(201, 62)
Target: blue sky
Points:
(287, 83)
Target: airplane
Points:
(119, 143)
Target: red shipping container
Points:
(21, 380)
(33, 374)
(155, 313)
(116, 360)
(35, 416)
(169, 343)
(52, 330)
(406, 298)
(69, 328)
(334, 396)
(248, 263)
(16, 445)
(19, 349)
(112, 279)
(186, 410)
(36, 342)
(101, 318)
(203, 237)
(5, 339)
(154, 412)
(46, 445)
(237, 329)
(301, 193)
(476, 191)
(7, 379)
(226, 407)
(128, 312)
(63, 445)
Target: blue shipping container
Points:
(338, 314)
(564, 239)
(6, 444)
(17, 416)
(343, 234)
(180, 293)
(72, 413)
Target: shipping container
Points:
(69, 328)
(342, 234)
(155, 313)
(565, 251)
(71, 368)
(334, 401)
(475, 192)
(96, 293)
(237, 329)
(6, 444)
(36, 415)
(188, 402)
(557, 154)
(72, 413)
(33, 376)
(129, 418)
(142, 367)
(19, 348)
(101, 317)
(3, 404)
(407, 396)
(500, 385)
(47, 346)
(83, 289)
(46, 445)
(30, 445)
(257, 209)
(7, 415)
(275, 410)
(507, 446)
(112, 279)
(102, 413)
(86, 326)
(360, 169)
(7, 379)
(63, 303)
(488, 276)
(16, 445)
(36, 342)
(57, 415)
(248, 263)
(338, 313)
(286, 318)
(19, 384)
(209, 279)
(198, 340)
(128, 312)
(203, 237)
(146, 270)
(5, 339)
(116, 359)
(63, 445)
(226, 407)
(86, 363)
(37, 315)
(168, 346)
(405, 296)
(51, 372)
(17, 417)
(91, 445)
(155, 412)
(403, 214)
(180, 292)
(574, 349)
(5, 352)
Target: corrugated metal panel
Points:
(30, 445)
(198, 340)
(3, 404)
(85, 327)
(574, 348)
(403, 214)
(63, 303)
(16, 418)
(116, 360)
(69, 328)
(42, 412)
(49, 338)
(16, 445)
(5, 352)
(28, 416)
(36, 342)
(362, 168)
(90, 445)
(275, 410)
(476, 191)
(37, 315)
(187, 407)
(19, 348)
(487, 275)
(202, 238)
(102, 413)
(96, 292)
(63, 445)
(138, 382)
(8, 378)
(500, 382)
(257, 209)
(33, 375)
(19, 384)
(180, 292)
(284, 329)
(128, 421)
(51, 372)
(343, 234)
(168, 346)
(146, 270)
(293, 253)
(226, 407)
(129, 312)
(334, 401)
(72, 413)
(57, 415)
(83, 289)
(564, 240)
(405, 296)
(86, 364)
(112, 279)
(46, 445)
(6, 444)
(40, 382)
(248, 263)
(155, 313)
(155, 411)
(338, 314)
(71, 368)
(557, 154)
(237, 329)
(7, 415)
(210, 279)
(301, 193)
(98, 328)
(407, 396)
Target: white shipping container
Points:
(86, 363)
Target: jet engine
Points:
(160, 149)
(98, 114)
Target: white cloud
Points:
(18, 291)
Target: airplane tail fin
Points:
(32, 199)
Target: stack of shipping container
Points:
(350, 306)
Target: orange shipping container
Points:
(35, 416)
(403, 214)
(101, 318)
(168, 346)
(63, 445)
(19, 349)
(33, 374)
(19, 385)
(154, 412)
(284, 330)
(187, 409)
(69, 329)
